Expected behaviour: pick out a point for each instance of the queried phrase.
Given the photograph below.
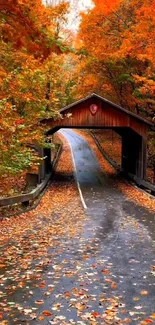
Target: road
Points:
(103, 275)
(124, 232)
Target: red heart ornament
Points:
(93, 109)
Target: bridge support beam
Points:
(48, 165)
(134, 154)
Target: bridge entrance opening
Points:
(95, 112)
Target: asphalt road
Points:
(104, 274)
(124, 232)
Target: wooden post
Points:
(42, 165)
(47, 152)
(141, 157)
(144, 157)
(124, 154)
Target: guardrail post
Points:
(25, 204)
(48, 165)
(42, 165)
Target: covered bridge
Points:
(95, 111)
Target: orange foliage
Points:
(30, 78)
(117, 42)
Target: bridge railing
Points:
(27, 197)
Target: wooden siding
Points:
(108, 115)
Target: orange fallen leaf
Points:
(105, 271)
(50, 289)
(149, 321)
(80, 307)
(136, 299)
(95, 314)
(123, 311)
(144, 293)
(46, 313)
(127, 320)
(86, 257)
(42, 284)
(153, 316)
(113, 285)
(21, 284)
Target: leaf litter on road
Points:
(52, 274)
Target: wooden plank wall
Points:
(107, 116)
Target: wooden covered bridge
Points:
(96, 112)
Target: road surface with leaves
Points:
(63, 265)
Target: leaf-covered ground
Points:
(111, 143)
(26, 239)
(57, 268)
(12, 185)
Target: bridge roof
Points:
(93, 95)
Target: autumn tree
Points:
(31, 55)
(115, 48)
(117, 40)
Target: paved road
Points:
(103, 275)
(124, 232)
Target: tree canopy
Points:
(31, 65)
(117, 38)
(44, 66)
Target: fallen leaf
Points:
(46, 313)
(95, 314)
(149, 321)
(39, 302)
(144, 293)
(105, 272)
(80, 307)
(127, 320)
(136, 299)
(113, 285)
